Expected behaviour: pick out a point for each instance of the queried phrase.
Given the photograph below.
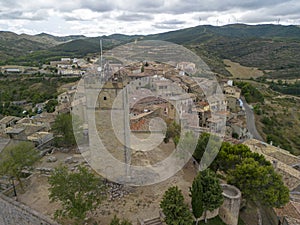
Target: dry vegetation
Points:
(242, 72)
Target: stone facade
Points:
(13, 212)
(108, 94)
(210, 214)
(229, 211)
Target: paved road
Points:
(251, 121)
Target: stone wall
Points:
(107, 97)
(229, 210)
(209, 214)
(13, 212)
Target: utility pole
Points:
(101, 62)
(127, 149)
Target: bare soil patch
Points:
(142, 202)
(242, 72)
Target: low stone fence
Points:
(13, 212)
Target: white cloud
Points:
(97, 17)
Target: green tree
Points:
(235, 135)
(251, 93)
(78, 192)
(174, 208)
(232, 155)
(196, 195)
(173, 131)
(17, 157)
(64, 131)
(207, 149)
(201, 146)
(212, 197)
(259, 183)
(50, 105)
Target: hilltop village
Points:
(172, 92)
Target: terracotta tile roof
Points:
(291, 209)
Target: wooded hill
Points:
(275, 49)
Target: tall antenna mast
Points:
(127, 149)
(101, 58)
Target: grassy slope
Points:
(242, 72)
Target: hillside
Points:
(38, 49)
(274, 49)
(13, 45)
(240, 31)
(26, 49)
(58, 39)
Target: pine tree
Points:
(174, 208)
(196, 195)
(250, 176)
(206, 193)
(212, 191)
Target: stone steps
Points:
(154, 221)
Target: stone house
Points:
(180, 105)
(66, 97)
(187, 67)
(239, 127)
(8, 121)
(22, 131)
(233, 104)
(109, 92)
(40, 138)
(232, 91)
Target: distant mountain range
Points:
(273, 48)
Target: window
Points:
(104, 98)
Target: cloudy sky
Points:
(102, 17)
